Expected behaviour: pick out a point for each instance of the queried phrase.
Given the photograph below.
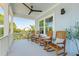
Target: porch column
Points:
(11, 24)
(36, 25)
(6, 20)
(11, 19)
(44, 27)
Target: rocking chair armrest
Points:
(60, 43)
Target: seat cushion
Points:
(58, 40)
(47, 37)
(43, 35)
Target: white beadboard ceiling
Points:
(21, 11)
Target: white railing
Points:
(5, 43)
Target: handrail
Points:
(4, 36)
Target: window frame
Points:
(41, 27)
(2, 25)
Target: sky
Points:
(1, 10)
(23, 23)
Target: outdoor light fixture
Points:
(62, 11)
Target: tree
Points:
(14, 27)
(1, 19)
(69, 33)
(41, 23)
(76, 35)
(32, 28)
(1, 22)
(1, 31)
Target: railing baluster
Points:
(5, 43)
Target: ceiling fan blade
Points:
(26, 6)
(31, 10)
(37, 10)
(29, 13)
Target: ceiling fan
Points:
(31, 9)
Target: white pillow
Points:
(47, 37)
(58, 40)
(42, 35)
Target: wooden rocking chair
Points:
(48, 40)
(60, 35)
(44, 41)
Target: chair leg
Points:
(63, 53)
(57, 53)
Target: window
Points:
(41, 26)
(1, 22)
(48, 24)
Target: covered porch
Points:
(51, 15)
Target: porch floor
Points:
(28, 48)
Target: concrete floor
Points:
(28, 48)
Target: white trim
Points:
(48, 10)
(45, 17)
(1, 26)
(53, 26)
(44, 27)
(10, 10)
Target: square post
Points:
(6, 20)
